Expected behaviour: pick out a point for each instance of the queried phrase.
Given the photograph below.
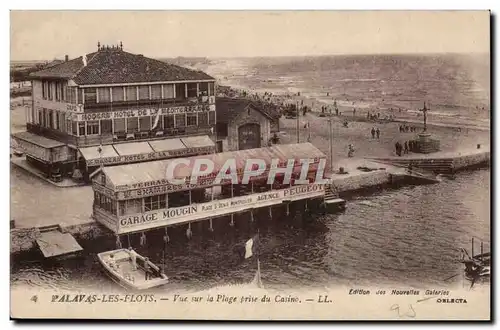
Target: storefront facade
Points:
(137, 197)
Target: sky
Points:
(45, 35)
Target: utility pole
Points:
(297, 116)
(331, 141)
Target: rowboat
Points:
(119, 267)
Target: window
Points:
(155, 202)
(180, 91)
(51, 119)
(80, 95)
(133, 206)
(106, 126)
(131, 93)
(81, 128)
(44, 117)
(192, 90)
(58, 91)
(132, 125)
(93, 127)
(119, 124)
(143, 92)
(63, 122)
(64, 95)
(192, 119)
(74, 127)
(118, 94)
(58, 121)
(71, 91)
(211, 117)
(211, 89)
(49, 90)
(169, 121)
(204, 89)
(104, 94)
(168, 91)
(202, 119)
(145, 123)
(121, 207)
(44, 90)
(155, 92)
(180, 120)
(90, 95)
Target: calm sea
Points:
(408, 236)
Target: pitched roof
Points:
(228, 108)
(115, 66)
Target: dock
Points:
(54, 243)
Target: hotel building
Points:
(112, 107)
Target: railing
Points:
(108, 106)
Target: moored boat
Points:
(119, 266)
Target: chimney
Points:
(66, 58)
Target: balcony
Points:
(123, 105)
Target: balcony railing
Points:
(108, 106)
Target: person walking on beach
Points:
(406, 147)
(378, 133)
(373, 132)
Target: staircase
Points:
(331, 192)
(436, 165)
(332, 199)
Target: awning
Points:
(91, 153)
(133, 148)
(134, 174)
(198, 141)
(38, 140)
(167, 145)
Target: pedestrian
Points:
(354, 112)
(406, 147)
(350, 153)
(378, 115)
(147, 268)
(368, 115)
(378, 133)
(373, 132)
(398, 148)
(401, 129)
(133, 258)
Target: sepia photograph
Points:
(250, 165)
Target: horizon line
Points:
(289, 56)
